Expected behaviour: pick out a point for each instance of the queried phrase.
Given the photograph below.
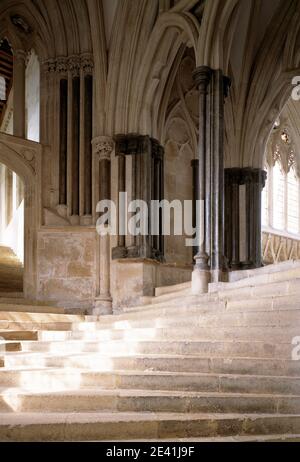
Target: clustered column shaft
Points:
(147, 185)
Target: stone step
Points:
(113, 347)
(257, 280)
(191, 308)
(18, 335)
(168, 363)
(173, 301)
(229, 291)
(185, 286)
(10, 346)
(120, 426)
(226, 439)
(49, 379)
(43, 316)
(27, 306)
(268, 269)
(13, 296)
(282, 318)
(191, 304)
(90, 333)
(146, 401)
(286, 302)
(36, 326)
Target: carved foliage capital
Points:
(103, 146)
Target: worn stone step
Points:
(58, 379)
(164, 290)
(18, 335)
(286, 302)
(36, 326)
(274, 268)
(172, 363)
(9, 346)
(212, 348)
(13, 400)
(95, 426)
(284, 318)
(42, 316)
(229, 291)
(88, 332)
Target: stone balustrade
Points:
(279, 246)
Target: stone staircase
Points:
(212, 368)
(11, 272)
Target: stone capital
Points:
(62, 65)
(74, 65)
(103, 146)
(49, 66)
(202, 77)
(20, 55)
(87, 63)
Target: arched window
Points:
(32, 103)
(292, 202)
(278, 197)
(265, 201)
(281, 196)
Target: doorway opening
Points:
(11, 232)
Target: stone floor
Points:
(211, 368)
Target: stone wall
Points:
(67, 267)
(131, 280)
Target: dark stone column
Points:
(253, 179)
(75, 144)
(218, 91)
(195, 167)
(147, 185)
(63, 141)
(88, 133)
(209, 186)
(202, 77)
(102, 150)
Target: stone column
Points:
(201, 273)
(19, 93)
(243, 217)
(219, 90)
(102, 148)
(147, 185)
(195, 168)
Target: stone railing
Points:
(279, 246)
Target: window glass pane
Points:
(293, 202)
(278, 196)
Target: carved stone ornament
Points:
(74, 65)
(87, 63)
(103, 146)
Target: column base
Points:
(218, 276)
(200, 280)
(102, 306)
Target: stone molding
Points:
(202, 77)
(73, 64)
(133, 144)
(241, 176)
